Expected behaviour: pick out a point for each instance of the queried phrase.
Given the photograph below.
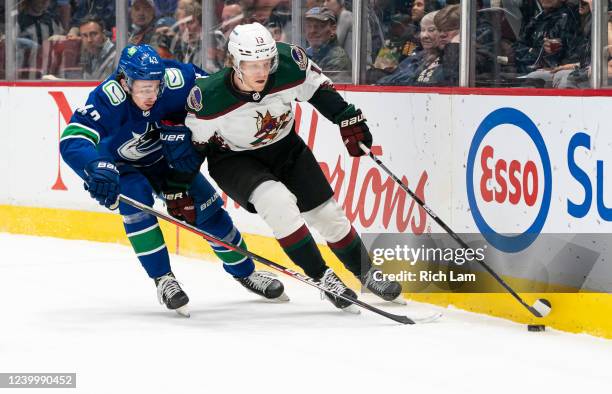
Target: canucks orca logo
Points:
(141, 145)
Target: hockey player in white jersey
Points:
(241, 120)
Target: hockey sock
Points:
(352, 252)
(302, 250)
(234, 263)
(148, 242)
(220, 225)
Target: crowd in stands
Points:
(542, 43)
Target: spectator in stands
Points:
(397, 45)
(97, 50)
(576, 73)
(167, 40)
(313, 3)
(545, 40)
(103, 9)
(419, 9)
(263, 10)
(323, 48)
(376, 35)
(281, 15)
(421, 62)
(276, 29)
(35, 25)
(344, 24)
(448, 22)
(61, 10)
(231, 16)
(165, 8)
(142, 17)
(183, 41)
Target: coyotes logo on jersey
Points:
(269, 126)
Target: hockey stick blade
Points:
(541, 307)
(296, 275)
(427, 319)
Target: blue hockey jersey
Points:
(111, 125)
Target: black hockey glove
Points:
(178, 149)
(102, 182)
(180, 205)
(353, 129)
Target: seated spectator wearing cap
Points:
(421, 63)
(344, 24)
(323, 48)
(97, 51)
(398, 44)
(142, 18)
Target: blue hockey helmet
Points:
(141, 62)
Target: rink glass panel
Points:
(48, 36)
(41, 39)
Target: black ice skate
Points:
(331, 281)
(264, 284)
(388, 290)
(169, 292)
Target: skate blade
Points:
(353, 309)
(183, 311)
(400, 300)
(282, 298)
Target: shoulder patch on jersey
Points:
(174, 78)
(299, 57)
(114, 92)
(194, 101)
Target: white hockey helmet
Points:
(252, 42)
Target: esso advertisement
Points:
(519, 183)
(509, 180)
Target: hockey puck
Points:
(536, 327)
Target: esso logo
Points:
(516, 181)
(508, 180)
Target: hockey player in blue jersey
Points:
(113, 143)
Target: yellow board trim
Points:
(573, 312)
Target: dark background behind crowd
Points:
(539, 43)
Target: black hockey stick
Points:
(540, 308)
(271, 264)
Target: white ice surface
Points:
(89, 308)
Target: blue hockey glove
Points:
(102, 182)
(178, 149)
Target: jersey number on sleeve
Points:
(95, 115)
